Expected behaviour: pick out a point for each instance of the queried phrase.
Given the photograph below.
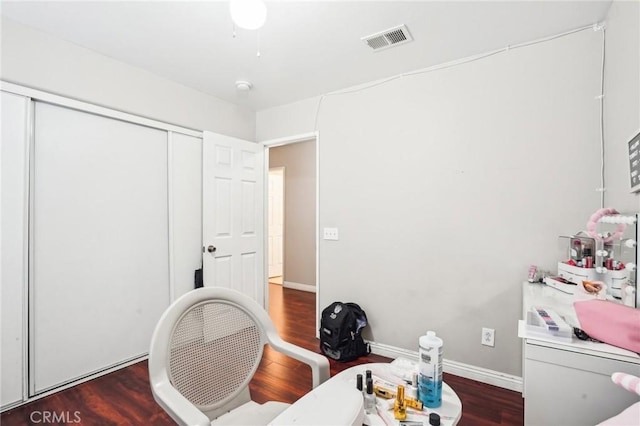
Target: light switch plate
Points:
(330, 234)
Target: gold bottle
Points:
(385, 393)
(400, 407)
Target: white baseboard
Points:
(479, 374)
(297, 286)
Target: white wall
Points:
(299, 161)
(35, 59)
(622, 100)
(446, 186)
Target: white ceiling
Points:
(308, 48)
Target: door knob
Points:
(211, 249)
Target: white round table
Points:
(450, 411)
(338, 402)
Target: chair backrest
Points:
(210, 341)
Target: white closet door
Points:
(186, 181)
(14, 245)
(100, 243)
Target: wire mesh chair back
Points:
(215, 349)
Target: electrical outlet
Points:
(330, 234)
(488, 336)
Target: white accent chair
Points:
(204, 352)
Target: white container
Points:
(430, 370)
(576, 274)
(614, 281)
(561, 284)
(545, 321)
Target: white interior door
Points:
(233, 221)
(276, 220)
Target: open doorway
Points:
(294, 162)
(275, 226)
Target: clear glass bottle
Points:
(370, 398)
(576, 249)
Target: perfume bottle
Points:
(412, 389)
(400, 407)
(369, 398)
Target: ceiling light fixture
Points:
(248, 14)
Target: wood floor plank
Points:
(124, 397)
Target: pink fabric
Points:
(610, 322)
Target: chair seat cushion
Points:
(252, 413)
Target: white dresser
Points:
(569, 383)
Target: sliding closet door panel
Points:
(186, 181)
(14, 245)
(100, 252)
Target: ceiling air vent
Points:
(388, 38)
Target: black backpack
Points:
(341, 326)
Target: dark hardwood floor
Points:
(124, 397)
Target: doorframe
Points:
(287, 140)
